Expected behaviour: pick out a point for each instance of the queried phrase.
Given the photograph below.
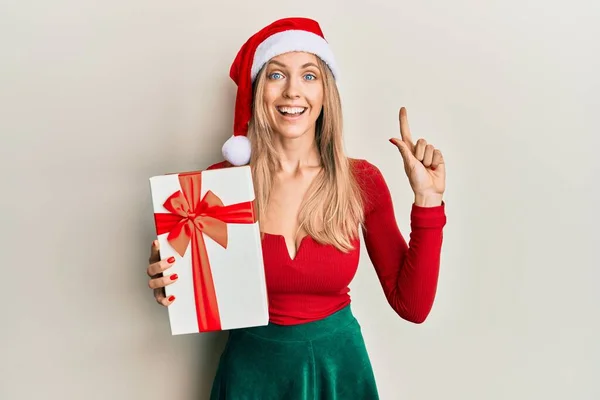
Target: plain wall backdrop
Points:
(96, 97)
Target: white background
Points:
(96, 97)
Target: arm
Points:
(408, 272)
(219, 165)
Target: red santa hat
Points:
(282, 36)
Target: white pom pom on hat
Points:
(280, 37)
(237, 150)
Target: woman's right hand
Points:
(158, 281)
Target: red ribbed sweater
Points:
(315, 283)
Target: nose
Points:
(291, 90)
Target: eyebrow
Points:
(308, 64)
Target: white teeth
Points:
(291, 110)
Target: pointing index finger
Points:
(405, 130)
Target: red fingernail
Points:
(173, 277)
(392, 141)
(171, 298)
(171, 260)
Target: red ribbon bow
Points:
(188, 218)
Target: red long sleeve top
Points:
(315, 283)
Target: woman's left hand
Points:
(423, 164)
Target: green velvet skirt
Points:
(321, 360)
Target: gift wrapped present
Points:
(206, 220)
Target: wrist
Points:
(428, 199)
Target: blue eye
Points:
(275, 75)
(311, 76)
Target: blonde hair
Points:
(331, 211)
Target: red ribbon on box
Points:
(189, 217)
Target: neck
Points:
(297, 153)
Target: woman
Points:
(311, 201)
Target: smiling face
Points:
(293, 94)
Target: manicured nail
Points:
(171, 260)
(392, 141)
(171, 298)
(173, 277)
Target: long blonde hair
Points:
(332, 211)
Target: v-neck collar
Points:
(281, 238)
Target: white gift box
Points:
(206, 220)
